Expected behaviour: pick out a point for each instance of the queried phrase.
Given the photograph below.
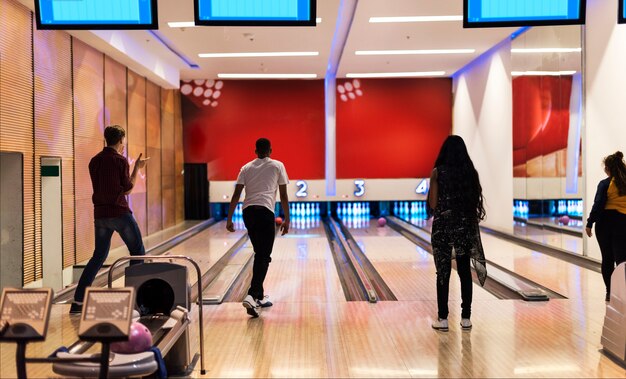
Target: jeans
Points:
(260, 224)
(127, 228)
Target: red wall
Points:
(394, 129)
(290, 113)
(540, 116)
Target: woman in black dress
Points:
(457, 202)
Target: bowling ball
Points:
(564, 220)
(382, 222)
(139, 340)
(279, 220)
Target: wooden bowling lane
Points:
(394, 339)
(205, 248)
(315, 333)
(565, 278)
(406, 268)
(569, 280)
(303, 269)
(153, 239)
(386, 339)
(549, 237)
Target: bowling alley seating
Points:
(162, 304)
(614, 330)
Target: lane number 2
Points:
(302, 188)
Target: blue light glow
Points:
(506, 11)
(622, 13)
(96, 12)
(254, 10)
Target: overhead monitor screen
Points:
(96, 14)
(622, 12)
(255, 12)
(492, 13)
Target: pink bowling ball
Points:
(564, 220)
(139, 340)
(382, 222)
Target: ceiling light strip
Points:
(415, 52)
(181, 24)
(394, 74)
(266, 76)
(416, 19)
(192, 24)
(261, 54)
(548, 50)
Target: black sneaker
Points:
(608, 297)
(76, 308)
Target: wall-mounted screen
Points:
(96, 14)
(621, 16)
(493, 13)
(255, 12)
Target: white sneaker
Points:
(265, 302)
(466, 324)
(251, 306)
(441, 324)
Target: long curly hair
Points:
(454, 156)
(616, 168)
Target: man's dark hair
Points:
(263, 146)
(113, 134)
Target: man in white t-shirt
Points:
(261, 178)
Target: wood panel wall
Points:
(16, 109)
(115, 107)
(179, 158)
(88, 66)
(153, 169)
(136, 144)
(56, 96)
(168, 159)
(54, 128)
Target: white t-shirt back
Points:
(261, 178)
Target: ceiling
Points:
(363, 35)
(169, 59)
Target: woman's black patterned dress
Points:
(455, 234)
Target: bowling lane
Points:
(569, 280)
(302, 267)
(408, 270)
(153, 239)
(565, 278)
(549, 237)
(205, 248)
(574, 225)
